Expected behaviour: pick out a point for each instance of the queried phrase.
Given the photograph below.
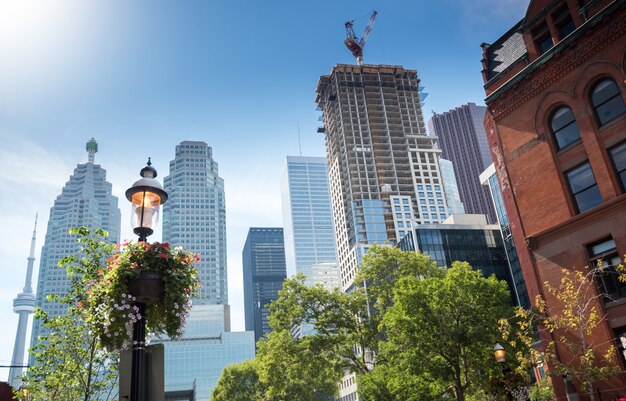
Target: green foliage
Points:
(292, 369)
(70, 362)
(239, 383)
(442, 329)
(409, 331)
(542, 391)
(572, 319)
(109, 306)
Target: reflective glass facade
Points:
(85, 200)
(463, 140)
(197, 361)
(264, 271)
(195, 218)
(307, 220)
(509, 244)
(482, 247)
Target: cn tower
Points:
(23, 305)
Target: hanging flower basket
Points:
(157, 275)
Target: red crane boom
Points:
(353, 43)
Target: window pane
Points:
(610, 110)
(567, 135)
(581, 178)
(584, 188)
(602, 247)
(618, 154)
(588, 199)
(564, 127)
(561, 118)
(607, 101)
(545, 44)
(566, 28)
(604, 91)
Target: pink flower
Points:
(79, 304)
(164, 256)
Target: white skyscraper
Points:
(307, 221)
(383, 167)
(23, 305)
(86, 200)
(194, 217)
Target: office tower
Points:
(466, 238)
(451, 188)
(489, 179)
(86, 200)
(264, 271)
(308, 222)
(463, 140)
(194, 364)
(194, 217)
(23, 305)
(383, 167)
(557, 128)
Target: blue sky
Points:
(143, 76)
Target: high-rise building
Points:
(466, 238)
(308, 222)
(264, 271)
(86, 200)
(194, 217)
(463, 140)
(23, 305)
(451, 187)
(489, 178)
(556, 126)
(383, 167)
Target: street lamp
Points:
(499, 353)
(146, 196)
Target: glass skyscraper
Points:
(264, 271)
(466, 238)
(463, 140)
(451, 187)
(85, 200)
(195, 218)
(308, 221)
(490, 179)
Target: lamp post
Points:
(500, 354)
(146, 196)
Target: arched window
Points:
(564, 127)
(607, 101)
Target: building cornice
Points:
(509, 97)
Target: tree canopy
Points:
(408, 330)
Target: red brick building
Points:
(556, 124)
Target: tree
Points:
(69, 362)
(239, 382)
(363, 332)
(292, 369)
(441, 330)
(571, 321)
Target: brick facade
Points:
(523, 95)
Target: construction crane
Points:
(353, 43)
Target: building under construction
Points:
(383, 168)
